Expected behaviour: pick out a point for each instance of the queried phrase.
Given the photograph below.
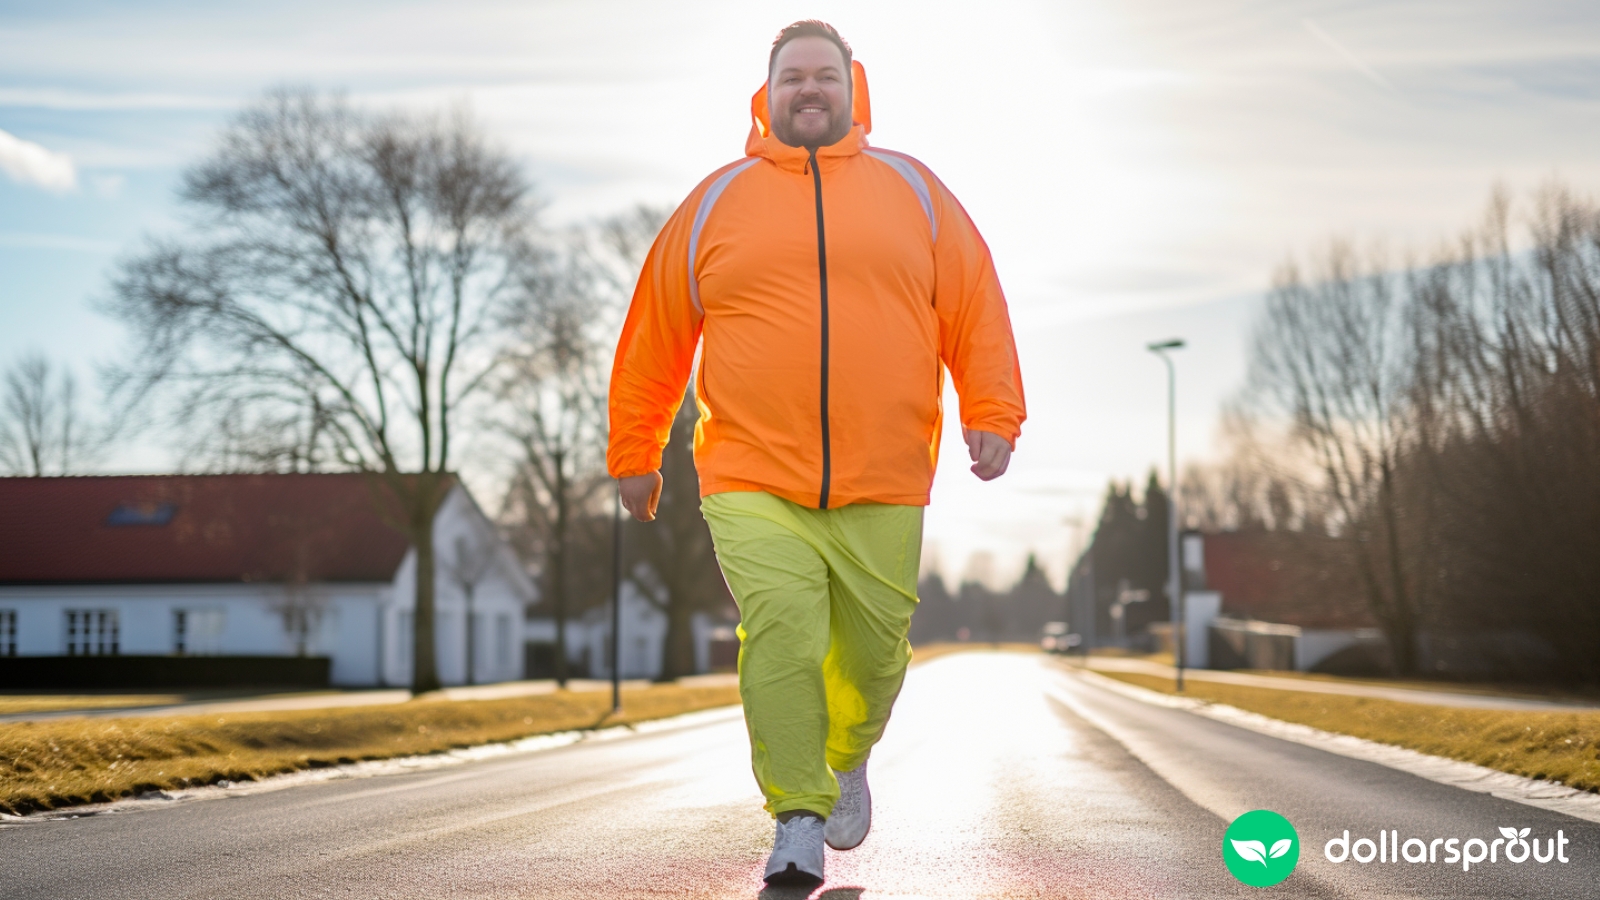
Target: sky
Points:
(1138, 167)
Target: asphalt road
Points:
(1002, 775)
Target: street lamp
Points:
(1174, 574)
(616, 603)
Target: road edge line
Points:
(1547, 795)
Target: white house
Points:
(644, 631)
(242, 578)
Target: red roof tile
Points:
(195, 528)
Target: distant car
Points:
(1056, 639)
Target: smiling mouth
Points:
(811, 109)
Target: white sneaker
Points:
(796, 852)
(847, 827)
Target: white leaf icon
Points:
(1251, 850)
(1280, 848)
(1524, 832)
(1510, 833)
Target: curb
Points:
(1550, 795)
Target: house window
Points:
(8, 632)
(197, 632)
(92, 632)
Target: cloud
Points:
(30, 163)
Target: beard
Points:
(839, 123)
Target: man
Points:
(832, 284)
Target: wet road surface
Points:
(1002, 775)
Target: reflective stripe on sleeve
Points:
(919, 185)
(700, 216)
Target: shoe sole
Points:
(793, 876)
(852, 846)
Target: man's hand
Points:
(990, 453)
(640, 494)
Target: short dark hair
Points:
(810, 28)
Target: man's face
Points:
(808, 93)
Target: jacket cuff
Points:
(634, 464)
(1005, 428)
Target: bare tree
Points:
(349, 272)
(43, 432)
(620, 245)
(566, 326)
(1508, 389)
(1449, 415)
(1332, 356)
(557, 417)
(1261, 482)
(679, 575)
(249, 437)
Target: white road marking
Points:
(1548, 795)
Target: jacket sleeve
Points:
(975, 339)
(656, 351)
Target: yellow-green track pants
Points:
(825, 600)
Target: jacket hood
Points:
(762, 143)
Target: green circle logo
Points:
(1260, 848)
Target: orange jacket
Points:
(823, 390)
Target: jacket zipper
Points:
(822, 271)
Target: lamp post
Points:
(616, 604)
(1174, 573)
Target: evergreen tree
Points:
(1151, 560)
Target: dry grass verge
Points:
(1519, 690)
(17, 704)
(1558, 746)
(14, 704)
(54, 763)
